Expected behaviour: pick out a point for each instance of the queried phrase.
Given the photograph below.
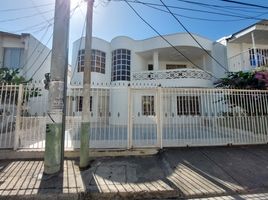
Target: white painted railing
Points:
(171, 74)
(247, 61)
(133, 117)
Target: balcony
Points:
(174, 78)
(247, 60)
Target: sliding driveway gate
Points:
(126, 117)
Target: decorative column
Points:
(156, 60)
(254, 48)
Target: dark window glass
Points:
(188, 105)
(121, 64)
(147, 105)
(98, 59)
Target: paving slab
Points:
(208, 173)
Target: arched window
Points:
(121, 65)
(98, 59)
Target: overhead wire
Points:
(242, 9)
(199, 44)
(25, 8)
(191, 17)
(79, 47)
(246, 4)
(182, 54)
(41, 64)
(24, 17)
(194, 10)
(36, 46)
(38, 11)
(239, 12)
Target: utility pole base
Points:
(52, 158)
(84, 138)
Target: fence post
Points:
(159, 118)
(130, 121)
(18, 117)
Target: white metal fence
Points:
(125, 116)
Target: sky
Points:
(116, 18)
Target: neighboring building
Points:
(247, 48)
(33, 58)
(143, 63)
(25, 52)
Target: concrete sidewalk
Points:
(222, 172)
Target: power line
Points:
(44, 47)
(72, 13)
(25, 8)
(218, 6)
(194, 38)
(195, 18)
(166, 39)
(32, 27)
(246, 4)
(24, 17)
(223, 9)
(43, 16)
(80, 44)
(37, 45)
(194, 10)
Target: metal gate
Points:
(144, 118)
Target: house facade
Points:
(25, 52)
(33, 59)
(126, 63)
(247, 49)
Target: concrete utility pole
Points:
(85, 126)
(54, 150)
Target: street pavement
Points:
(178, 173)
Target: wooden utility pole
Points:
(85, 126)
(54, 149)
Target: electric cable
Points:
(24, 17)
(246, 4)
(147, 23)
(199, 44)
(25, 8)
(72, 13)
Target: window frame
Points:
(98, 61)
(121, 60)
(148, 105)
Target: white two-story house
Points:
(149, 63)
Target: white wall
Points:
(37, 59)
(220, 54)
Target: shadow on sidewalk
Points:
(191, 172)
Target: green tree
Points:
(11, 76)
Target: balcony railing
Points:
(171, 74)
(246, 60)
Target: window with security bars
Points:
(79, 104)
(98, 59)
(188, 105)
(148, 105)
(258, 59)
